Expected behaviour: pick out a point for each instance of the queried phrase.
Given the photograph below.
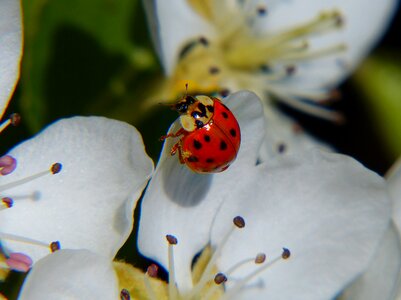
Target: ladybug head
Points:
(182, 106)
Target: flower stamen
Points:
(7, 203)
(124, 295)
(238, 222)
(172, 288)
(7, 164)
(239, 285)
(13, 119)
(54, 169)
(150, 272)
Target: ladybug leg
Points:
(180, 156)
(174, 149)
(181, 131)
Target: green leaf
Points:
(379, 79)
(80, 56)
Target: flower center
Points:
(241, 56)
(209, 283)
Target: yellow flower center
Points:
(241, 56)
(208, 281)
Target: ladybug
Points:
(210, 136)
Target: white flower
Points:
(294, 51)
(327, 209)
(10, 49)
(71, 274)
(86, 205)
(382, 279)
(89, 204)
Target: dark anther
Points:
(8, 202)
(152, 270)
(239, 222)
(260, 258)
(265, 68)
(204, 41)
(171, 239)
(281, 148)
(286, 253)
(339, 20)
(290, 70)
(55, 246)
(124, 295)
(261, 10)
(214, 70)
(15, 119)
(56, 168)
(220, 278)
(224, 92)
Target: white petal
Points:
(179, 201)
(364, 24)
(282, 137)
(10, 49)
(382, 279)
(327, 209)
(394, 184)
(173, 24)
(89, 204)
(71, 274)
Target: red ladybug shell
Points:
(213, 147)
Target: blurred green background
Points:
(95, 57)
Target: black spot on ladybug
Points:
(193, 159)
(197, 144)
(233, 132)
(225, 115)
(210, 108)
(199, 124)
(223, 145)
(210, 160)
(206, 137)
